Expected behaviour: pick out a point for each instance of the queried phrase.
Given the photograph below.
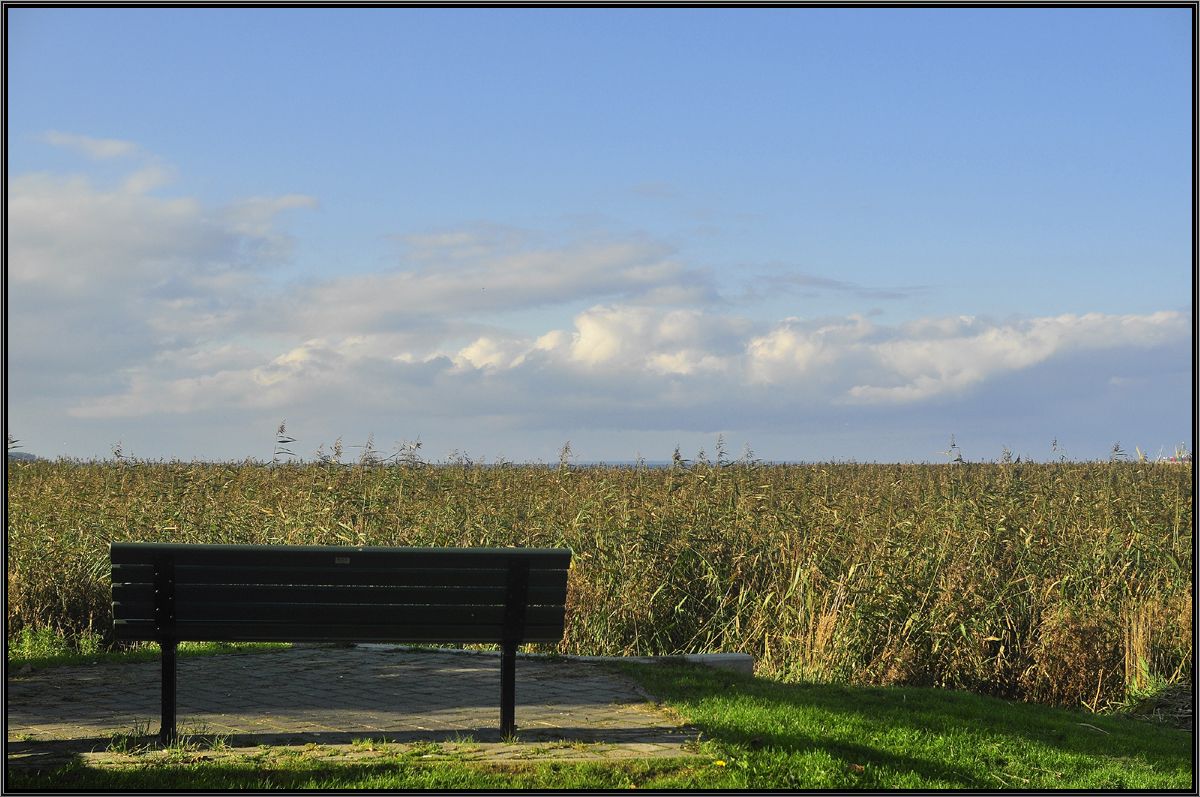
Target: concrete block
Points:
(738, 662)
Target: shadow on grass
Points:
(392, 773)
(873, 724)
(33, 757)
(306, 760)
(33, 751)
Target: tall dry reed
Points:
(1061, 583)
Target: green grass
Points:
(41, 648)
(395, 771)
(756, 734)
(776, 735)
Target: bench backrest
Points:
(290, 593)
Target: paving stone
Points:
(332, 695)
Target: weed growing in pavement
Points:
(131, 742)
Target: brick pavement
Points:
(328, 697)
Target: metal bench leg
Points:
(166, 732)
(508, 666)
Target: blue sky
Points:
(824, 233)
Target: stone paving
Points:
(334, 698)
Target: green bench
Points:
(169, 593)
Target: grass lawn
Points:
(756, 734)
(37, 650)
(773, 735)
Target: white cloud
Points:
(67, 235)
(462, 244)
(490, 353)
(703, 358)
(794, 350)
(148, 178)
(949, 355)
(454, 277)
(95, 148)
(137, 288)
(255, 217)
(554, 339)
(784, 351)
(603, 335)
(686, 361)
(646, 339)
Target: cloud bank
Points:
(128, 304)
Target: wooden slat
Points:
(363, 614)
(133, 593)
(127, 610)
(192, 574)
(143, 574)
(225, 593)
(328, 555)
(357, 614)
(132, 574)
(267, 575)
(360, 615)
(331, 575)
(308, 632)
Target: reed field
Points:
(1062, 583)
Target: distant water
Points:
(624, 463)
